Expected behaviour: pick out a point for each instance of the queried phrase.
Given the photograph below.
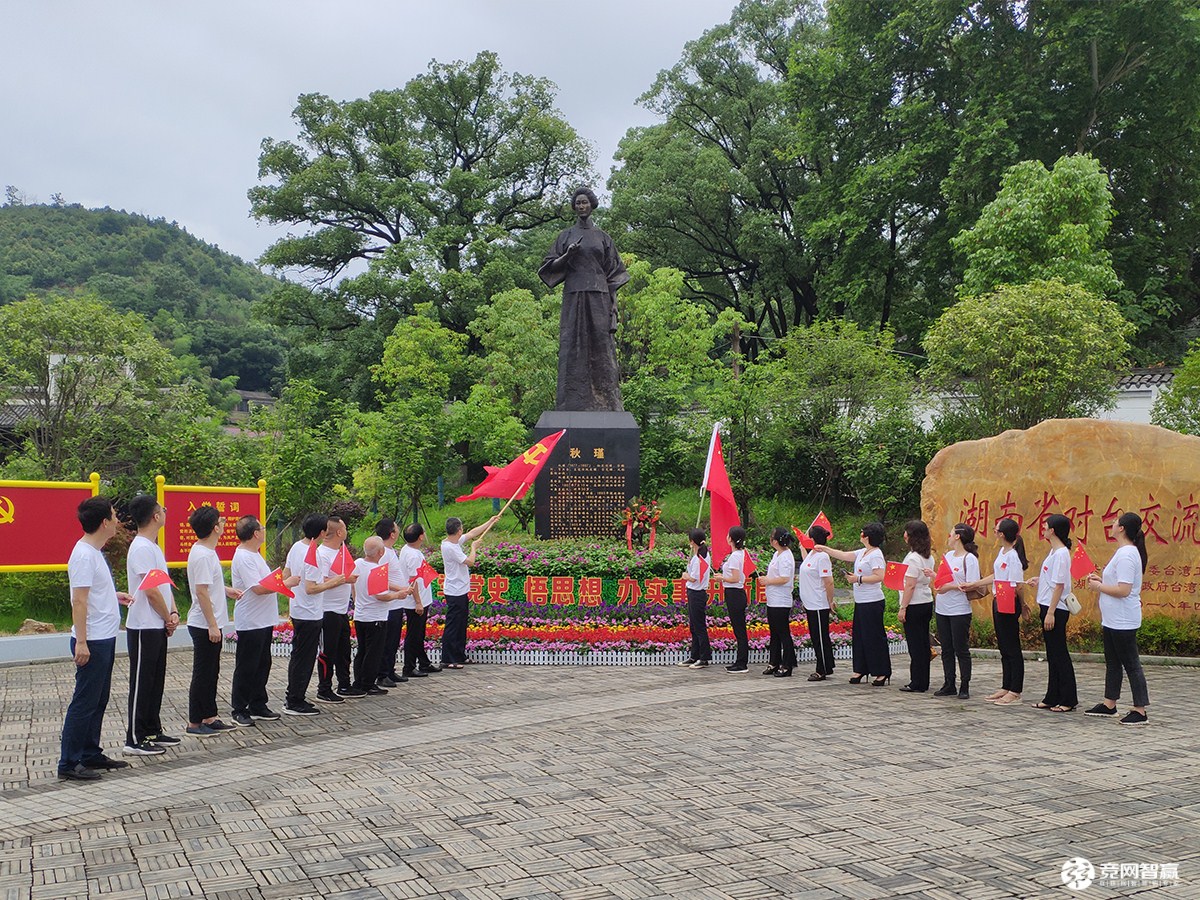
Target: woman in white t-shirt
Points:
(697, 575)
(1010, 565)
(1120, 589)
(868, 639)
(953, 611)
(916, 605)
(733, 576)
(815, 580)
(1053, 584)
(779, 583)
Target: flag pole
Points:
(712, 443)
(700, 511)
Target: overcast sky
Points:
(159, 108)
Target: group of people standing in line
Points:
(321, 575)
(946, 606)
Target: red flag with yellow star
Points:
(944, 575)
(893, 576)
(823, 521)
(1081, 563)
(1006, 596)
(515, 479)
(275, 582)
(805, 541)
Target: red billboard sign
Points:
(38, 525)
(180, 500)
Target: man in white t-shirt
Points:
(388, 531)
(307, 614)
(151, 620)
(334, 589)
(207, 620)
(370, 617)
(416, 605)
(255, 616)
(457, 587)
(96, 614)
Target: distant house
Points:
(249, 399)
(1136, 393)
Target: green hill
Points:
(198, 299)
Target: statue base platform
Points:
(591, 475)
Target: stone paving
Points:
(506, 782)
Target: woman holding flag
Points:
(779, 581)
(868, 638)
(816, 596)
(1007, 580)
(958, 571)
(697, 597)
(916, 605)
(1053, 585)
(733, 576)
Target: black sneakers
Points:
(302, 709)
(329, 697)
(1101, 711)
(145, 748)
(1133, 717)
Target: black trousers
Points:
(869, 644)
(698, 624)
(954, 632)
(335, 652)
(147, 677)
(306, 638)
(1008, 639)
(370, 652)
(735, 603)
(818, 633)
(85, 714)
(251, 669)
(391, 643)
(917, 617)
(1061, 689)
(414, 641)
(454, 634)
(782, 648)
(1121, 652)
(206, 668)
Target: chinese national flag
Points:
(703, 569)
(154, 578)
(425, 573)
(1081, 563)
(310, 558)
(514, 479)
(274, 582)
(805, 541)
(824, 522)
(723, 514)
(944, 574)
(377, 580)
(893, 576)
(751, 567)
(1006, 596)
(343, 563)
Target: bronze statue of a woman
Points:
(585, 261)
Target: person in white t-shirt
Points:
(952, 610)
(308, 616)
(207, 620)
(151, 621)
(1120, 590)
(96, 614)
(814, 578)
(416, 605)
(733, 576)
(457, 586)
(916, 605)
(255, 616)
(869, 645)
(779, 584)
(334, 589)
(370, 617)
(388, 677)
(1009, 567)
(1053, 584)
(698, 573)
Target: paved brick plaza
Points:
(597, 782)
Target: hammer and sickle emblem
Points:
(531, 455)
(6, 511)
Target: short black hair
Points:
(203, 520)
(245, 528)
(413, 532)
(94, 512)
(453, 526)
(385, 528)
(874, 533)
(142, 509)
(314, 525)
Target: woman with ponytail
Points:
(868, 640)
(697, 576)
(1011, 563)
(733, 576)
(1120, 589)
(1054, 583)
(916, 605)
(953, 611)
(779, 583)
(816, 596)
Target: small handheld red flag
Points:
(944, 574)
(274, 582)
(823, 521)
(343, 563)
(310, 558)
(377, 580)
(1081, 563)
(425, 573)
(893, 576)
(805, 541)
(1006, 596)
(703, 569)
(751, 566)
(154, 578)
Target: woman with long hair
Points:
(815, 580)
(953, 611)
(1053, 584)
(1010, 565)
(868, 639)
(697, 597)
(779, 582)
(733, 576)
(1120, 589)
(916, 605)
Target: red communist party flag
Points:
(425, 573)
(274, 582)
(514, 479)
(1006, 596)
(377, 580)
(310, 558)
(343, 563)
(944, 574)
(154, 578)
(1081, 563)
(823, 521)
(723, 514)
(805, 541)
(893, 576)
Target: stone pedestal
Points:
(591, 475)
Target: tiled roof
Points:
(1140, 379)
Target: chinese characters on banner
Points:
(587, 590)
(180, 501)
(38, 524)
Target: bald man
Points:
(370, 618)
